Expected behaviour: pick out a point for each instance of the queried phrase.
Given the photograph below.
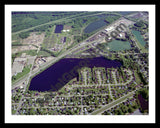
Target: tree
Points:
(124, 109)
(32, 111)
(130, 110)
(78, 90)
(24, 35)
(140, 24)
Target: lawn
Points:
(115, 45)
(140, 41)
(25, 71)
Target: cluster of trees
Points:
(46, 99)
(17, 97)
(143, 102)
(24, 20)
(144, 92)
(96, 100)
(14, 55)
(81, 38)
(140, 24)
(24, 35)
(44, 28)
(110, 18)
(48, 51)
(122, 77)
(122, 109)
(16, 44)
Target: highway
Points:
(69, 51)
(69, 18)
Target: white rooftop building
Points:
(108, 29)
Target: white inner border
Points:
(9, 118)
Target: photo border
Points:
(79, 119)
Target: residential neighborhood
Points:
(80, 63)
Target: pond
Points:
(95, 25)
(60, 73)
(58, 29)
(139, 37)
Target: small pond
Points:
(95, 25)
(58, 29)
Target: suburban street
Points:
(112, 104)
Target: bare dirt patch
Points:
(35, 39)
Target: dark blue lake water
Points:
(60, 73)
(58, 28)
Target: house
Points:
(108, 29)
(120, 35)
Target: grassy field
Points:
(140, 42)
(25, 71)
(115, 45)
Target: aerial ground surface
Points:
(80, 63)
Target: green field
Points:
(140, 41)
(115, 45)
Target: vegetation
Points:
(24, 20)
(16, 44)
(142, 97)
(46, 51)
(24, 35)
(71, 100)
(111, 18)
(140, 24)
(28, 52)
(16, 98)
(124, 108)
(25, 71)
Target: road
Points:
(69, 18)
(128, 81)
(76, 47)
(115, 102)
(26, 83)
(114, 76)
(99, 77)
(69, 51)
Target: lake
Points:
(60, 73)
(95, 25)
